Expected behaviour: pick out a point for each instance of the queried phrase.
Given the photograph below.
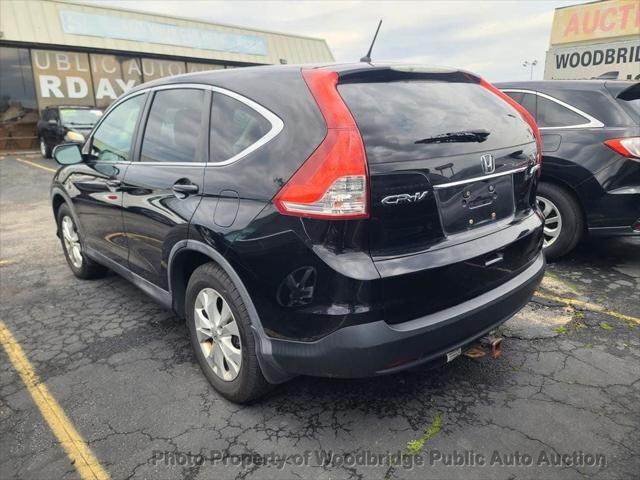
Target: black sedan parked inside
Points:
(590, 180)
(340, 221)
(59, 124)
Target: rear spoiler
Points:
(403, 73)
(613, 75)
(630, 93)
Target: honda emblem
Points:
(488, 163)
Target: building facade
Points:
(593, 39)
(55, 52)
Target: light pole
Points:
(532, 63)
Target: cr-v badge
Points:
(404, 198)
(488, 164)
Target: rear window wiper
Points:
(451, 137)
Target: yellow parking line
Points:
(77, 450)
(33, 164)
(4, 263)
(589, 306)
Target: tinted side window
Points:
(50, 114)
(112, 140)
(234, 127)
(552, 114)
(529, 103)
(527, 100)
(517, 96)
(174, 129)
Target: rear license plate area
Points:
(471, 205)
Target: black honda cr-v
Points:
(342, 221)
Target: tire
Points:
(232, 369)
(81, 266)
(45, 149)
(569, 220)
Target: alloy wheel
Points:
(218, 335)
(552, 221)
(71, 242)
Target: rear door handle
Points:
(185, 188)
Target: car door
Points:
(96, 184)
(163, 186)
(50, 126)
(56, 130)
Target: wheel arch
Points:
(184, 259)
(56, 202)
(571, 191)
(181, 266)
(59, 198)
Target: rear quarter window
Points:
(593, 100)
(551, 114)
(234, 127)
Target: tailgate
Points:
(450, 162)
(445, 158)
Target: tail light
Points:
(627, 147)
(527, 117)
(333, 182)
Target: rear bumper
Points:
(374, 348)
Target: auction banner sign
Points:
(598, 20)
(588, 61)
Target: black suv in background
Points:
(341, 221)
(591, 155)
(61, 124)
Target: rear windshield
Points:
(627, 95)
(413, 120)
(629, 99)
(632, 107)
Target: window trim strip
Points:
(593, 122)
(277, 125)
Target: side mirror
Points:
(67, 154)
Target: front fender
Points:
(59, 196)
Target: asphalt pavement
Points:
(563, 401)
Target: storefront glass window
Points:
(62, 78)
(113, 75)
(33, 79)
(202, 67)
(18, 109)
(153, 69)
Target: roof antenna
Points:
(367, 57)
